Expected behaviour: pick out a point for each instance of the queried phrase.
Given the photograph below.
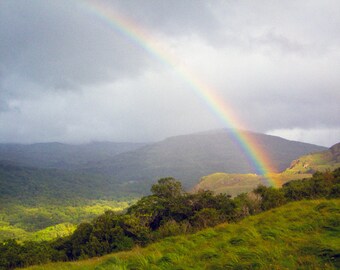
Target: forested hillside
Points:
(171, 211)
(41, 204)
(63, 156)
(98, 171)
(29, 185)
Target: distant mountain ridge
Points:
(189, 157)
(63, 156)
(30, 185)
(103, 170)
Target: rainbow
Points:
(139, 36)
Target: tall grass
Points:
(300, 235)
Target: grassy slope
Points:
(231, 184)
(300, 235)
(234, 184)
(300, 168)
(321, 161)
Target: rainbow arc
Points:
(143, 39)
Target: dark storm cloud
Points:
(54, 44)
(57, 44)
(67, 75)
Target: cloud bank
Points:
(67, 75)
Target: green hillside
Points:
(170, 211)
(47, 220)
(113, 170)
(303, 167)
(232, 184)
(31, 185)
(42, 204)
(320, 161)
(299, 235)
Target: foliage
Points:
(319, 186)
(270, 197)
(298, 235)
(170, 211)
(47, 220)
(30, 186)
(167, 188)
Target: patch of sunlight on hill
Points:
(48, 221)
(321, 161)
(303, 167)
(299, 235)
(232, 184)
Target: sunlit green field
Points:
(303, 167)
(234, 184)
(300, 235)
(49, 221)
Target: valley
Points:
(48, 202)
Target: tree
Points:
(80, 239)
(167, 188)
(10, 252)
(207, 217)
(248, 204)
(270, 197)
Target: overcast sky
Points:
(67, 75)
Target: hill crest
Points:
(303, 167)
(190, 157)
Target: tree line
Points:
(169, 210)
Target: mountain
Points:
(189, 157)
(303, 167)
(103, 170)
(48, 171)
(63, 156)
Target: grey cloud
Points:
(65, 75)
(58, 46)
(172, 17)
(3, 106)
(280, 42)
(54, 44)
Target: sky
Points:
(68, 74)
